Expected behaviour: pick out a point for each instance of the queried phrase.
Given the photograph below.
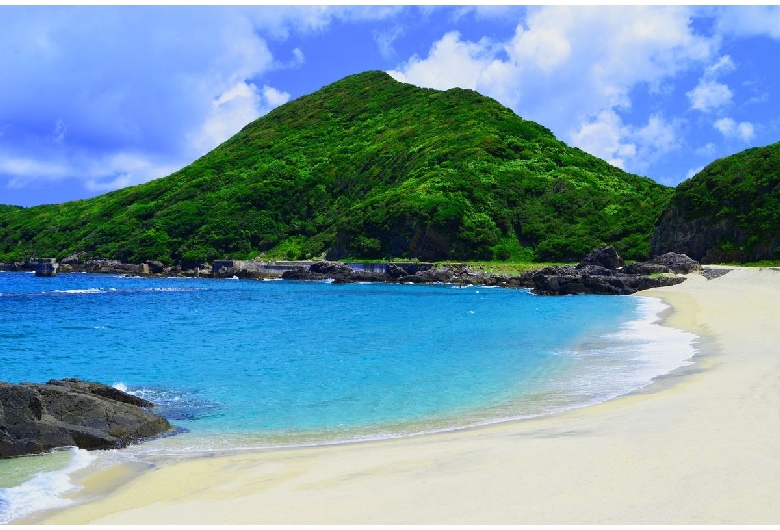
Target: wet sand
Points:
(699, 445)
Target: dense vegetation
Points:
(366, 167)
(728, 212)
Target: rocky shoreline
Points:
(35, 418)
(600, 272)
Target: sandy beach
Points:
(700, 445)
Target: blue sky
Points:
(95, 98)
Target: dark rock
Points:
(330, 267)
(155, 267)
(677, 263)
(35, 418)
(711, 273)
(606, 257)
(76, 257)
(570, 280)
(598, 274)
(645, 268)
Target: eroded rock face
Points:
(35, 418)
(600, 272)
(606, 257)
(677, 263)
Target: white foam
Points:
(634, 355)
(43, 491)
(120, 386)
(91, 290)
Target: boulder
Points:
(35, 418)
(645, 268)
(606, 257)
(330, 267)
(677, 263)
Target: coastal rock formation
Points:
(600, 272)
(606, 257)
(38, 417)
(728, 212)
(595, 280)
(677, 263)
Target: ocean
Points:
(261, 364)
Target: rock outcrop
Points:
(600, 272)
(728, 212)
(35, 418)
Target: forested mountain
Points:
(728, 212)
(366, 167)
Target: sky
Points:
(96, 98)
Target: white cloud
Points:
(59, 131)
(233, 109)
(97, 174)
(23, 169)
(723, 66)
(731, 129)
(693, 171)
(624, 146)
(273, 99)
(384, 40)
(658, 136)
(603, 137)
(451, 62)
(121, 170)
(750, 20)
(573, 68)
(709, 95)
(706, 150)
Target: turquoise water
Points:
(272, 363)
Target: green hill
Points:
(728, 212)
(366, 167)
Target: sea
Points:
(249, 364)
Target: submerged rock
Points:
(35, 418)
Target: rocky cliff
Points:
(728, 212)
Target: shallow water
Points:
(257, 364)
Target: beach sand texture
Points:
(700, 445)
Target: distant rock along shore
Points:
(600, 272)
(35, 418)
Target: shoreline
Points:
(638, 458)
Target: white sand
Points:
(701, 445)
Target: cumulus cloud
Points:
(94, 83)
(750, 20)
(573, 68)
(731, 129)
(232, 110)
(709, 94)
(625, 146)
(604, 137)
(706, 150)
(451, 62)
(693, 171)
